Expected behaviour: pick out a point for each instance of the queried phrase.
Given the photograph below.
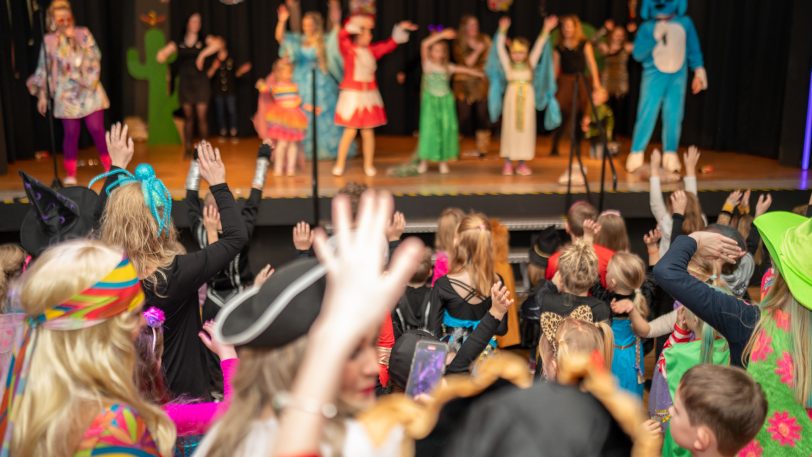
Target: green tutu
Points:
(439, 131)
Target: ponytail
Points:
(608, 342)
(640, 303)
(473, 252)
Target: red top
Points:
(359, 69)
(386, 341)
(604, 256)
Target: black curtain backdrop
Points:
(746, 44)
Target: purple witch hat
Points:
(55, 216)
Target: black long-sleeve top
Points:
(732, 318)
(445, 298)
(237, 273)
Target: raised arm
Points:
(400, 35)
(656, 200)
(194, 269)
(589, 55)
(166, 52)
(550, 22)
(730, 316)
(501, 51)
(282, 15)
(425, 45)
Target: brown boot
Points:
(483, 142)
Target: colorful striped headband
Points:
(118, 292)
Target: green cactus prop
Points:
(161, 105)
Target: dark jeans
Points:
(225, 105)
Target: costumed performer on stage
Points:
(439, 131)
(192, 49)
(530, 86)
(313, 49)
(74, 68)
(470, 50)
(280, 116)
(360, 106)
(573, 56)
(666, 44)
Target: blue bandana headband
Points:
(156, 195)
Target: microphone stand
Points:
(56, 183)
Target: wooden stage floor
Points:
(468, 175)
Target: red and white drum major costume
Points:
(360, 105)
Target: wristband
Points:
(193, 177)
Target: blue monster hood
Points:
(652, 9)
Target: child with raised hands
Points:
(137, 216)
(439, 130)
(207, 228)
(360, 106)
(692, 217)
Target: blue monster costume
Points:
(666, 44)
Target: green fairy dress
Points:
(439, 129)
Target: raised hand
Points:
(763, 204)
(302, 236)
(396, 227)
(591, 230)
(734, 198)
(223, 351)
(504, 23)
(266, 272)
(679, 202)
(716, 246)
(211, 164)
(550, 22)
(691, 159)
(408, 25)
(119, 145)
(652, 238)
(211, 219)
(359, 292)
(283, 13)
(744, 204)
(500, 300)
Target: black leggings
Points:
(189, 111)
(473, 115)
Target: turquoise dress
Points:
(305, 60)
(439, 130)
(627, 360)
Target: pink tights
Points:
(70, 144)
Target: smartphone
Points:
(428, 367)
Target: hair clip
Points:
(436, 28)
(154, 317)
(156, 195)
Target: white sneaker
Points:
(337, 171)
(635, 161)
(671, 162)
(370, 172)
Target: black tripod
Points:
(575, 148)
(35, 6)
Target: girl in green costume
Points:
(439, 129)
